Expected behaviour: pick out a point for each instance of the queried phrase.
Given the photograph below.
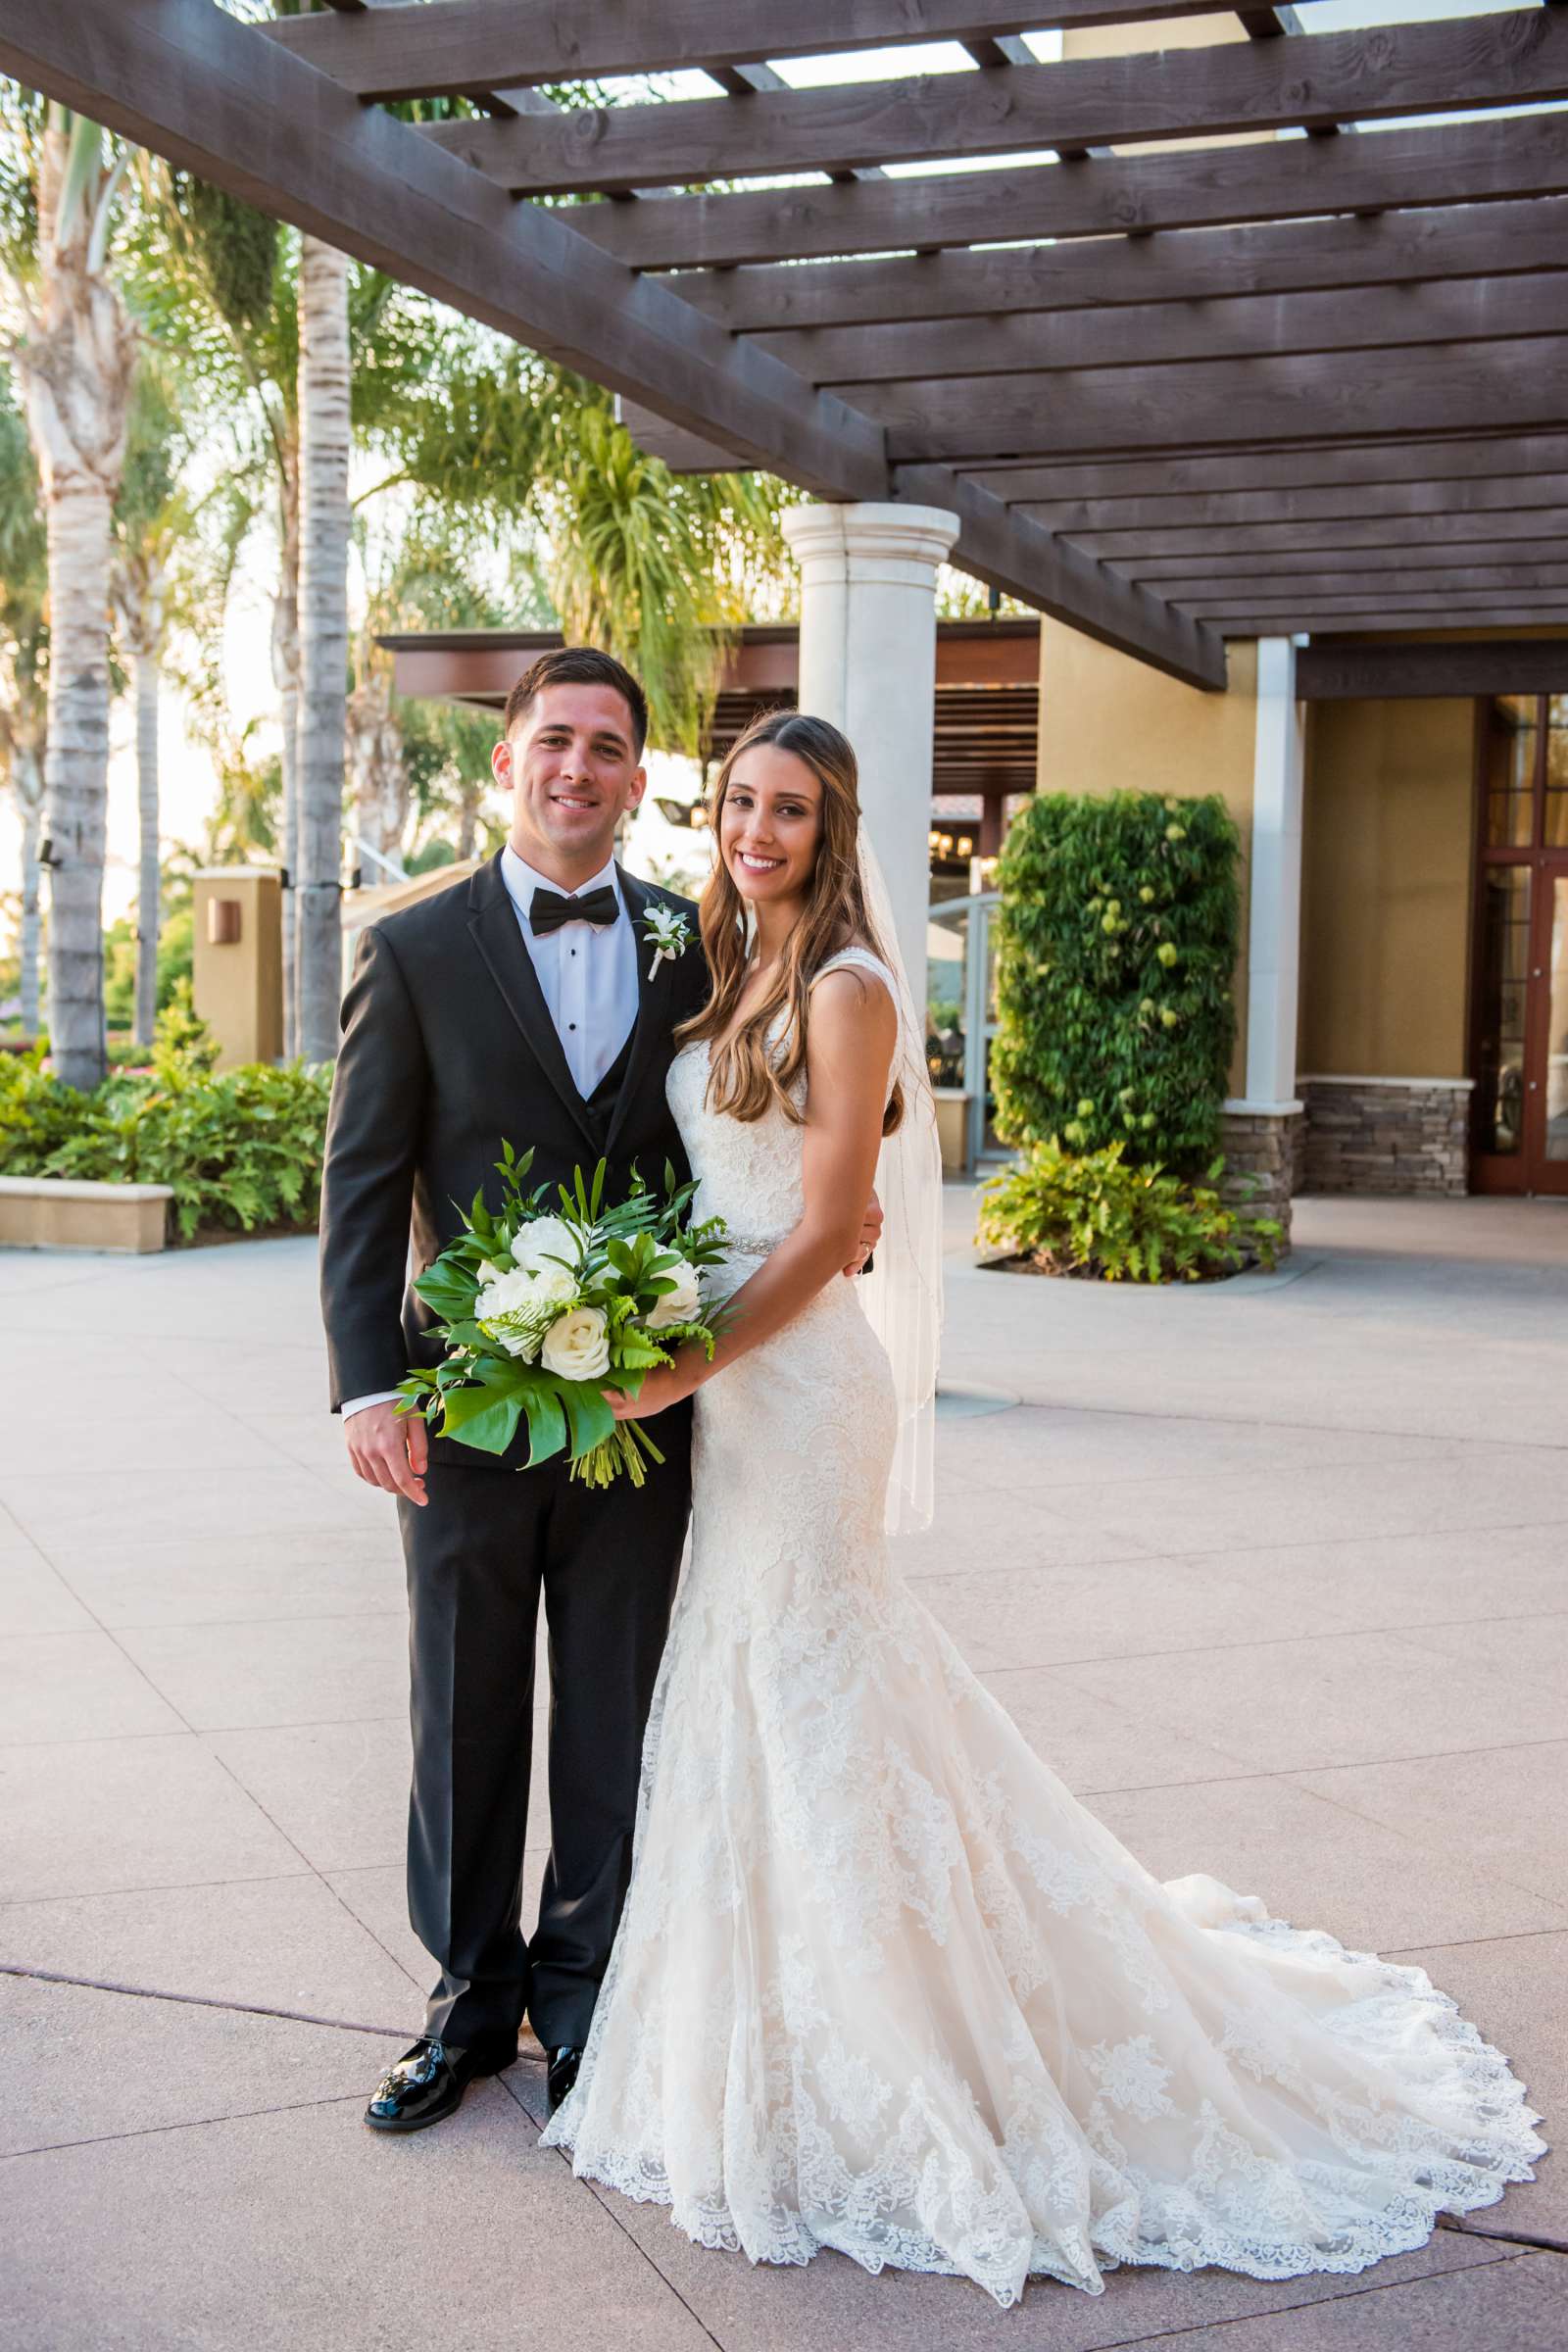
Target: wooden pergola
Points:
(1289, 384)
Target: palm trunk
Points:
(323, 407)
(467, 821)
(286, 678)
(76, 775)
(30, 796)
(150, 883)
(379, 773)
(74, 366)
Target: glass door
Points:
(1520, 998)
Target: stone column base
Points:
(1386, 1135)
(1260, 1148)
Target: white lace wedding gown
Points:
(882, 1984)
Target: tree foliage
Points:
(1118, 945)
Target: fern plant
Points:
(1094, 1213)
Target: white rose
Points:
(576, 1346)
(506, 1293)
(543, 1240)
(551, 1286)
(680, 1305)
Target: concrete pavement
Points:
(1274, 1572)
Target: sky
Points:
(187, 781)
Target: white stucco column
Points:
(868, 653)
(1274, 928)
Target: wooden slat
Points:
(1356, 319)
(1517, 59)
(1222, 403)
(1494, 617)
(1456, 240)
(1425, 579)
(1510, 494)
(466, 46)
(1334, 673)
(1261, 542)
(1065, 585)
(1521, 155)
(188, 81)
(1284, 467)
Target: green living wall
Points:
(1119, 937)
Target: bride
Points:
(881, 1983)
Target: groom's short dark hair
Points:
(579, 665)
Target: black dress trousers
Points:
(479, 1553)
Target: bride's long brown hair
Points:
(745, 1078)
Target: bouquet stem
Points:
(602, 1463)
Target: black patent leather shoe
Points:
(562, 2074)
(428, 2082)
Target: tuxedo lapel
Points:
(495, 930)
(655, 1013)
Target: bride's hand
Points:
(661, 1388)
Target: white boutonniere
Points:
(667, 933)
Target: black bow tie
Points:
(549, 909)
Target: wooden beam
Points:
(1282, 467)
(1518, 59)
(1504, 609)
(188, 81)
(1521, 155)
(466, 46)
(1051, 575)
(1223, 403)
(1457, 240)
(1355, 673)
(1273, 326)
(1258, 544)
(1510, 494)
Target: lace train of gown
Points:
(883, 1984)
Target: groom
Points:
(527, 1005)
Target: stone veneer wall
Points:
(1386, 1135)
(1263, 1147)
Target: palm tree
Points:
(23, 676)
(323, 632)
(74, 353)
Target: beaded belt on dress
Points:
(746, 1245)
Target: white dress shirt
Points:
(588, 977)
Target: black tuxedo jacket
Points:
(448, 1046)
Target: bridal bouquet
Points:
(544, 1308)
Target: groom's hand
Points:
(389, 1450)
(870, 1231)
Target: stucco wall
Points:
(1109, 724)
(1386, 889)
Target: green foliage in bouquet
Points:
(1118, 947)
(1092, 1213)
(241, 1148)
(541, 1310)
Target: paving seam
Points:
(1510, 2237)
(1242, 2319)
(193, 2000)
(96, 1894)
(610, 2215)
(193, 2123)
(190, 1731)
